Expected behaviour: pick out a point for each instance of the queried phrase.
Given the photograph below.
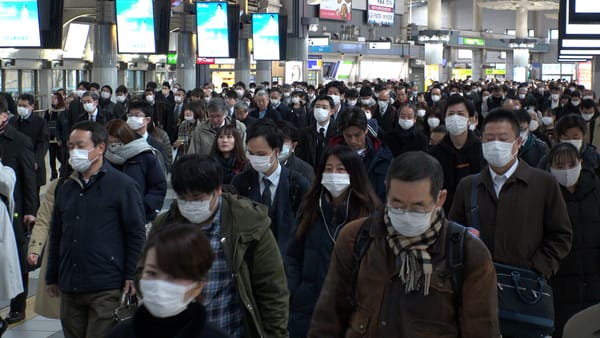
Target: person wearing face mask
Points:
(228, 149)
(193, 113)
(264, 108)
(581, 190)
(266, 181)
(123, 99)
(172, 287)
(497, 98)
(459, 152)
(246, 293)
(242, 114)
(386, 115)
(35, 127)
(572, 107)
(588, 111)
(179, 104)
(572, 129)
(352, 97)
(298, 114)
(404, 278)
(340, 194)
(314, 138)
(532, 149)
(336, 90)
(277, 102)
(162, 115)
(287, 157)
(523, 219)
(89, 101)
(407, 137)
(129, 153)
(105, 104)
(139, 118)
(92, 268)
(165, 94)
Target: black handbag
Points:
(126, 309)
(525, 302)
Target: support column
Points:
(509, 65)
(520, 56)
(263, 68)
(242, 62)
(405, 21)
(596, 74)
(104, 70)
(45, 87)
(477, 17)
(476, 64)
(434, 51)
(186, 54)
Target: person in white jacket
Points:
(10, 270)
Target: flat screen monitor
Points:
(135, 26)
(381, 12)
(20, 23)
(265, 36)
(336, 10)
(212, 29)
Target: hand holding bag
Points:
(127, 308)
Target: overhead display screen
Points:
(212, 29)
(336, 10)
(265, 36)
(584, 11)
(135, 26)
(20, 23)
(381, 12)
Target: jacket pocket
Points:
(359, 323)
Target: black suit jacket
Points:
(271, 114)
(100, 117)
(307, 147)
(36, 129)
(387, 121)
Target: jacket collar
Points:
(75, 176)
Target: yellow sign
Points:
(432, 73)
(461, 73)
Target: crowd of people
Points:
(314, 212)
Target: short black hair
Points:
(588, 103)
(3, 104)
(458, 99)
(325, 98)
(337, 84)
(523, 116)
(288, 130)
(352, 117)
(85, 85)
(267, 129)
(194, 173)
(569, 121)
(121, 89)
(166, 84)
(231, 94)
(415, 166)
(563, 151)
(107, 87)
(27, 97)
(151, 85)
(99, 133)
(142, 105)
(94, 85)
(502, 115)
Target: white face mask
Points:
(421, 113)
(533, 125)
(409, 223)
(547, 120)
(188, 118)
(285, 153)
(89, 107)
(262, 164)
(178, 99)
(321, 114)
(80, 92)
(195, 211)
(555, 97)
(456, 124)
(105, 95)
(587, 117)
(135, 122)
(433, 122)
(335, 98)
(121, 98)
(22, 111)
(406, 124)
(497, 153)
(150, 98)
(165, 299)
(567, 177)
(484, 98)
(335, 183)
(575, 103)
(240, 92)
(435, 98)
(577, 143)
(521, 96)
(369, 102)
(383, 104)
(79, 161)
(587, 97)
(295, 100)
(275, 102)
(352, 102)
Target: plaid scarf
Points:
(415, 260)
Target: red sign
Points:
(205, 61)
(336, 10)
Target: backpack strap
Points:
(361, 245)
(473, 202)
(455, 242)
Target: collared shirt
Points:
(261, 114)
(499, 180)
(93, 116)
(274, 178)
(324, 127)
(219, 296)
(145, 136)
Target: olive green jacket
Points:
(254, 261)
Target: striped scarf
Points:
(415, 260)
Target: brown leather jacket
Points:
(385, 310)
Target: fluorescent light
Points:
(580, 52)
(583, 43)
(76, 41)
(575, 56)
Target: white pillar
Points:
(477, 22)
(434, 14)
(520, 56)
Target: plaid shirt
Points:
(220, 296)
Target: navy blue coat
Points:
(291, 189)
(146, 171)
(97, 232)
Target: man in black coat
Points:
(385, 114)
(314, 138)
(264, 110)
(16, 151)
(241, 114)
(407, 137)
(34, 126)
(276, 97)
(287, 156)
(533, 149)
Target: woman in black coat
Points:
(172, 280)
(577, 284)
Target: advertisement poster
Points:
(336, 10)
(20, 23)
(265, 36)
(212, 29)
(135, 26)
(381, 12)
(584, 74)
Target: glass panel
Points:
(12, 82)
(58, 79)
(71, 81)
(28, 82)
(129, 80)
(139, 80)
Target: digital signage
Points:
(265, 36)
(380, 12)
(20, 23)
(336, 10)
(212, 29)
(135, 26)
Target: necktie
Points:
(321, 137)
(266, 195)
(320, 145)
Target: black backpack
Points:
(455, 235)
